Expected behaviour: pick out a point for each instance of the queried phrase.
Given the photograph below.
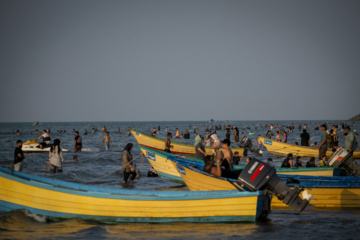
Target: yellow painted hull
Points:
(280, 149)
(179, 148)
(325, 197)
(162, 166)
(126, 205)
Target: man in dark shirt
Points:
(227, 132)
(18, 156)
(305, 138)
(77, 142)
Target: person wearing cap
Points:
(323, 144)
(18, 156)
(350, 145)
(77, 142)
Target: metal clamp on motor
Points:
(258, 175)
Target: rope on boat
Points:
(113, 171)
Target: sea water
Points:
(94, 163)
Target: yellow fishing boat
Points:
(280, 149)
(160, 162)
(329, 192)
(179, 148)
(57, 199)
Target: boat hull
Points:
(57, 199)
(179, 148)
(329, 192)
(280, 149)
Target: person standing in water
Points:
(107, 140)
(199, 148)
(56, 157)
(18, 156)
(168, 145)
(128, 168)
(323, 144)
(77, 142)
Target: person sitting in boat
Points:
(323, 162)
(288, 161)
(315, 145)
(46, 139)
(127, 163)
(199, 147)
(298, 163)
(55, 157)
(168, 145)
(311, 162)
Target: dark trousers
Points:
(322, 152)
(127, 174)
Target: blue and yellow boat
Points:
(179, 148)
(159, 161)
(329, 192)
(57, 199)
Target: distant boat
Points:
(36, 123)
(33, 147)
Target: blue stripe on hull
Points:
(6, 206)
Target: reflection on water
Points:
(284, 224)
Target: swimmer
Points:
(75, 159)
(107, 140)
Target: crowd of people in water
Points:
(220, 162)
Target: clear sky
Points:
(179, 60)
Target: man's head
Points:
(208, 160)
(18, 143)
(347, 129)
(323, 127)
(226, 143)
(107, 133)
(236, 154)
(77, 133)
(44, 131)
(169, 134)
(75, 159)
(290, 155)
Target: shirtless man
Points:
(107, 140)
(278, 138)
(177, 134)
(168, 143)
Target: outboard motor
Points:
(342, 158)
(245, 142)
(258, 175)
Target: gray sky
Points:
(179, 60)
